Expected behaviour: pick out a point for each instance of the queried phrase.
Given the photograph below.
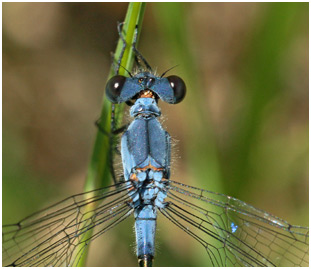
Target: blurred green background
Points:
(242, 129)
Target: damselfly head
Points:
(171, 89)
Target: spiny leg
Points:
(120, 27)
(137, 53)
(117, 62)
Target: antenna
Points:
(168, 70)
(127, 71)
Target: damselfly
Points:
(231, 232)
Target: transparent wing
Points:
(233, 232)
(59, 234)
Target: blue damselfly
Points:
(230, 231)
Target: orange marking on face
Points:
(146, 94)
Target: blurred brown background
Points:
(242, 129)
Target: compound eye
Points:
(114, 87)
(179, 88)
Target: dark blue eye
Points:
(179, 88)
(114, 87)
